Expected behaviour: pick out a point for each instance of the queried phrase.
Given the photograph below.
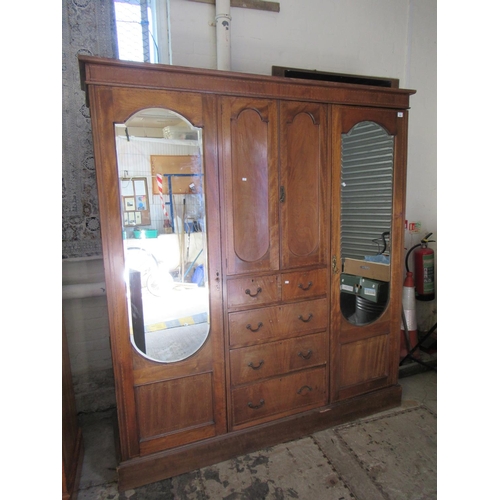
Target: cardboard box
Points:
(367, 269)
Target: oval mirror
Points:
(366, 216)
(160, 163)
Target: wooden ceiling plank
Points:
(248, 4)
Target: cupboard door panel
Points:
(249, 131)
(363, 361)
(174, 405)
(304, 177)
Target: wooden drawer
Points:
(249, 364)
(256, 291)
(303, 285)
(272, 323)
(279, 396)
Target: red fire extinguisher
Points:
(424, 269)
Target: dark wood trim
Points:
(138, 472)
(102, 71)
(248, 4)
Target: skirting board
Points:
(156, 467)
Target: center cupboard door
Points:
(250, 184)
(304, 184)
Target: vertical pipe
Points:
(223, 33)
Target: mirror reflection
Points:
(160, 164)
(366, 215)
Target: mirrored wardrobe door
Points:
(162, 199)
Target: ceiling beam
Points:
(248, 4)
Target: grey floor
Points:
(388, 456)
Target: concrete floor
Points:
(388, 456)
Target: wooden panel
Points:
(105, 71)
(177, 438)
(363, 360)
(279, 395)
(304, 176)
(257, 291)
(173, 405)
(248, 4)
(249, 129)
(304, 285)
(271, 323)
(254, 363)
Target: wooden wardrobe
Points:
(282, 358)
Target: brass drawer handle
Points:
(306, 320)
(259, 326)
(309, 388)
(247, 291)
(256, 367)
(306, 356)
(256, 407)
(309, 285)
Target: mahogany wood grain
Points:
(278, 322)
(253, 291)
(304, 177)
(250, 177)
(363, 360)
(249, 364)
(103, 71)
(272, 158)
(279, 396)
(304, 284)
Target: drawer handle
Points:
(259, 326)
(309, 285)
(306, 320)
(306, 356)
(256, 367)
(247, 291)
(309, 388)
(256, 407)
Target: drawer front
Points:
(303, 285)
(249, 364)
(256, 291)
(279, 396)
(272, 323)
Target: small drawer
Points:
(277, 322)
(249, 364)
(304, 284)
(256, 291)
(280, 396)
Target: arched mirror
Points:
(366, 215)
(160, 163)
